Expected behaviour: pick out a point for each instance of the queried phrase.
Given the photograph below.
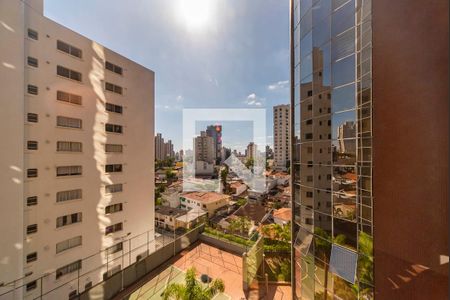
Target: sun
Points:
(194, 14)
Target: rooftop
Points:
(205, 197)
(284, 213)
(169, 211)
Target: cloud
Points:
(180, 98)
(278, 85)
(252, 99)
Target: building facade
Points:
(207, 201)
(204, 148)
(215, 131)
(359, 224)
(163, 150)
(77, 115)
(281, 137)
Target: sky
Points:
(205, 53)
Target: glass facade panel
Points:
(332, 161)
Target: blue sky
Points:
(239, 58)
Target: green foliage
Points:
(229, 237)
(241, 224)
(192, 289)
(250, 163)
(277, 232)
(158, 201)
(158, 191)
(170, 174)
(241, 202)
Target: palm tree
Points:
(192, 289)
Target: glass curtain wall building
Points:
(369, 132)
(332, 163)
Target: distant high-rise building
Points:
(250, 152)
(79, 121)
(281, 136)
(369, 100)
(170, 153)
(163, 150)
(160, 148)
(269, 152)
(204, 148)
(215, 131)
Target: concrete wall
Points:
(234, 248)
(12, 157)
(411, 131)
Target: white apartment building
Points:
(281, 138)
(77, 157)
(207, 201)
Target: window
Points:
(68, 73)
(68, 97)
(69, 49)
(32, 145)
(32, 89)
(68, 122)
(113, 128)
(73, 295)
(31, 257)
(33, 118)
(31, 285)
(110, 209)
(69, 195)
(33, 62)
(111, 272)
(113, 168)
(32, 173)
(113, 148)
(33, 200)
(69, 146)
(113, 88)
(72, 267)
(33, 34)
(33, 228)
(68, 244)
(309, 194)
(68, 219)
(113, 228)
(113, 68)
(68, 170)
(113, 188)
(114, 108)
(115, 248)
(308, 136)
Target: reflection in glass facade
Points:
(332, 157)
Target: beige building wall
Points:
(281, 116)
(137, 157)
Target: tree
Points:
(323, 248)
(250, 163)
(192, 289)
(223, 178)
(241, 224)
(170, 175)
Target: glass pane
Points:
(344, 152)
(343, 289)
(343, 98)
(343, 18)
(321, 10)
(343, 44)
(344, 206)
(322, 201)
(343, 71)
(344, 233)
(306, 45)
(344, 125)
(321, 32)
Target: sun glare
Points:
(194, 14)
